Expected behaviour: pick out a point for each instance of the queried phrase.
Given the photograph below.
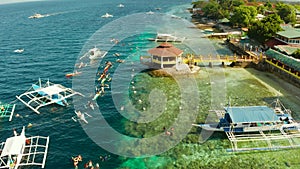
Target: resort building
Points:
(287, 41)
(165, 56)
(289, 36)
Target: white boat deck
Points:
(20, 150)
(37, 98)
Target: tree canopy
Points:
(266, 28)
(296, 54)
(243, 15)
(286, 12)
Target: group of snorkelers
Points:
(104, 77)
(89, 164)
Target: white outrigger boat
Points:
(257, 128)
(107, 15)
(44, 93)
(164, 37)
(36, 16)
(20, 150)
(253, 119)
(7, 111)
(94, 53)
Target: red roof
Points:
(165, 49)
(274, 42)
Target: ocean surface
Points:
(52, 46)
(136, 107)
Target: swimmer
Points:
(2, 108)
(97, 166)
(90, 163)
(29, 125)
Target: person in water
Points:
(2, 108)
(76, 160)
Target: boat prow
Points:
(208, 127)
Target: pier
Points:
(198, 60)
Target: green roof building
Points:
(289, 36)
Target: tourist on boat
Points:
(2, 108)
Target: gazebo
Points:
(165, 55)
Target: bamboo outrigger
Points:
(45, 93)
(7, 111)
(20, 150)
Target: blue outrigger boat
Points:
(44, 93)
(253, 119)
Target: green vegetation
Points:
(296, 54)
(243, 16)
(287, 13)
(266, 28)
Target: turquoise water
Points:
(51, 47)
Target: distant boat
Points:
(121, 6)
(107, 15)
(72, 74)
(36, 16)
(164, 37)
(175, 17)
(150, 13)
(94, 53)
(19, 50)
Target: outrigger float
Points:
(257, 124)
(44, 93)
(20, 150)
(7, 111)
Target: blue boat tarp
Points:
(252, 114)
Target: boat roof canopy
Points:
(252, 114)
(51, 90)
(13, 145)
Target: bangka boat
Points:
(121, 6)
(7, 111)
(20, 150)
(149, 13)
(68, 75)
(44, 93)
(107, 15)
(36, 16)
(163, 37)
(254, 119)
(94, 53)
(19, 50)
